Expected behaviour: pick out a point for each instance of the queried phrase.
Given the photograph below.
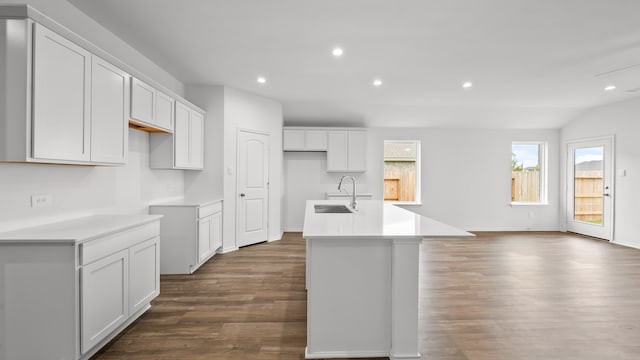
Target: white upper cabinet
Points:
(61, 103)
(181, 137)
(196, 138)
(109, 109)
(337, 151)
(356, 151)
(346, 151)
(164, 110)
(316, 140)
(142, 101)
(151, 109)
(184, 149)
(61, 111)
(304, 139)
(64, 105)
(293, 140)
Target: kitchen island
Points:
(362, 279)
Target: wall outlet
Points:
(41, 201)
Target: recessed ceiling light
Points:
(261, 80)
(467, 84)
(337, 52)
(610, 87)
(377, 82)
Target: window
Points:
(528, 172)
(402, 171)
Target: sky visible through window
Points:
(526, 154)
(588, 154)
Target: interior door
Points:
(590, 187)
(253, 187)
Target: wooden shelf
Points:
(144, 127)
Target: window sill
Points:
(529, 203)
(409, 203)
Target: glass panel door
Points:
(588, 183)
(590, 187)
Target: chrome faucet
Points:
(353, 196)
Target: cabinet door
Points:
(357, 150)
(181, 136)
(293, 140)
(204, 238)
(142, 101)
(196, 140)
(144, 269)
(164, 111)
(104, 296)
(216, 231)
(61, 104)
(337, 151)
(109, 109)
(316, 140)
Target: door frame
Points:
(237, 202)
(569, 185)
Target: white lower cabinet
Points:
(191, 234)
(104, 297)
(144, 263)
(69, 292)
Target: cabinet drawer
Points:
(97, 249)
(207, 210)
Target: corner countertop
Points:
(374, 218)
(76, 231)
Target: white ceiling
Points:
(533, 63)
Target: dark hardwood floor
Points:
(498, 296)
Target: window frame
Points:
(543, 164)
(418, 181)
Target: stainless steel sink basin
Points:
(332, 209)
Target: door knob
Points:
(242, 194)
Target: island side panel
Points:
(349, 298)
(405, 297)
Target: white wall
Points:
(207, 184)
(465, 178)
(84, 190)
(306, 178)
(621, 120)
(80, 190)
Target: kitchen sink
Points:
(332, 209)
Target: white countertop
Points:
(186, 202)
(341, 194)
(77, 231)
(374, 218)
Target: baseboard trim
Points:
(514, 228)
(345, 354)
(627, 244)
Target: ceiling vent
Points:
(633, 91)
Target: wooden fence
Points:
(588, 192)
(525, 186)
(588, 201)
(399, 180)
